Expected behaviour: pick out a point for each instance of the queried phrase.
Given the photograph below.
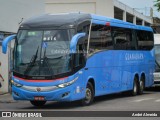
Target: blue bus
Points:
(78, 56)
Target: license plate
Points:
(39, 98)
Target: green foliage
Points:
(157, 4)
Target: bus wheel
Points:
(89, 95)
(135, 87)
(141, 87)
(38, 103)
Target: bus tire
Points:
(89, 95)
(141, 86)
(38, 103)
(135, 87)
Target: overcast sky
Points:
(142, 6)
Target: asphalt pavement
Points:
(149, 101)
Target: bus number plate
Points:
(39, 98)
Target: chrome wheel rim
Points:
(135, 88)
(88, 95)
(141, 85)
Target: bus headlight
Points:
(67, 83)
(16, 84)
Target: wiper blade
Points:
(45, 61)
(32, 62)
(57, 57)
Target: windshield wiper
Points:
(45, 62)
(32, 62)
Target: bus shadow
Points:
(116, 96)
(57, 105)
(153, 89)
(147, 91)
(76, 104)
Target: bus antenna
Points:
(21, 21)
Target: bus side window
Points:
(145, 40)
(83, 27)
(81, 53)
(122, 38)
(100, 39)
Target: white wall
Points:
(100, 7)
(12, 11)
(157, 39)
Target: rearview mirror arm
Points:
(6, 41)
(74, 42)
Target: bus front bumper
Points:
(69, 93)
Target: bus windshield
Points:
(42, 53)
(157, 53)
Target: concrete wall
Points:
(100, 7)
(132, 12)
(4, 70)
(12, 12)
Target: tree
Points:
(157, 4)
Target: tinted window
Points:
(83, 27)
(145, 40)
(122, 39)
(100, 38)
(81, 51)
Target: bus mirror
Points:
(5, 43)
(74, 41)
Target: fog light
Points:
(65, 94)
(16, 93)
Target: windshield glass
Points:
(42, 53)
(157, 53)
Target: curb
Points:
(4, 93)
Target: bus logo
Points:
(38, 89)
(134, 56)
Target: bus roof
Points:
(71, 19)
(55, 20)
(118, 23)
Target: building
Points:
(13, 12)
(110, 8)
(156, 25)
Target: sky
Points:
(142, 6)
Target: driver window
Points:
(81, 52)
(84, 27)
(100, 39)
